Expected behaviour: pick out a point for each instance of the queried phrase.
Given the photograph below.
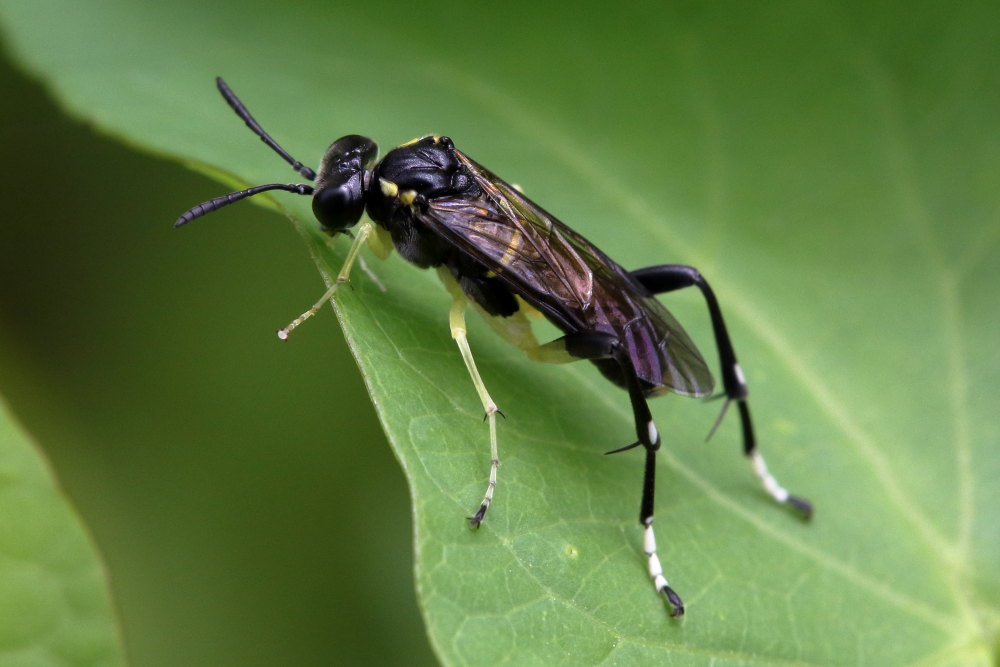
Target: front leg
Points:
(364, 231)
(670, 277)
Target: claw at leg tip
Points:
(676, 604)
(803, 506)
(476, 519)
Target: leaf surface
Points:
(55, 606)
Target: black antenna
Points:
(225, 200)
(252, 123)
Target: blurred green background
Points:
(254, 522)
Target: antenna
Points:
(252, 123)
(232, 197)
(226, 200)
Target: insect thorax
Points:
(401, 183)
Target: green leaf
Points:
(833, 172)
(54, 602)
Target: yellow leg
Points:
(362, 235)
(456, 320)
(516, 330)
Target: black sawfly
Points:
(506, 256)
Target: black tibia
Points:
(670, 277)
(648, 488)
(595, 345)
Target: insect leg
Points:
(516, 330)
(597, 345)
(670, 277)
(345, 272)
(456, 320)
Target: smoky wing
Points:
(566, 277)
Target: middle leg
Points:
(456, 320)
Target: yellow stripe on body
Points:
(512, 247)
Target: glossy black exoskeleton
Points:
(494, 247)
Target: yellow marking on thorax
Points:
(435, 137)
(388, 188)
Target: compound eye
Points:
(339, 197)
(340, 206)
